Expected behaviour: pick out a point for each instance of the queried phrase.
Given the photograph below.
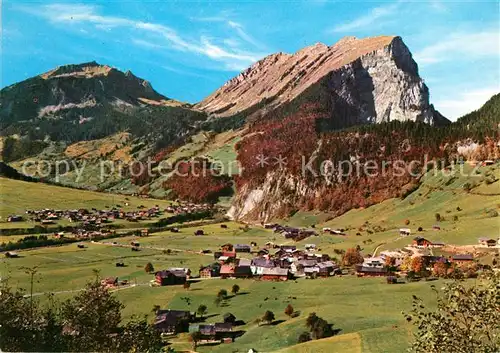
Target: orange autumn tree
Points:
(352, 257)
(440, 269)
(417, 264)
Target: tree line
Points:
(89, 322)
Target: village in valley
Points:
(208, 263)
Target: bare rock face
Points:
(367, 80)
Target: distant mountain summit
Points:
(77, 92)
(368, 80)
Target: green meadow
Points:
(366, 310)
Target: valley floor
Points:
(366, 310)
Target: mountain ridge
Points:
(385, 77)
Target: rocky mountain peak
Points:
(376, 79)
(88, 69)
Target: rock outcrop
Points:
(367, 80)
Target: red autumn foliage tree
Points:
(417, 264)
(440, 269)
(196, 181)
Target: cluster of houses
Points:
(421, 242)
(296, 234)
(93, 216)
(187, 207)
(377, 266)
(271, 263)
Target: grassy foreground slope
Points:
(366, 310)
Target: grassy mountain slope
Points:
(472, 198)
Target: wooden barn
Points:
(170, 277)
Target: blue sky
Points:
(188, 49)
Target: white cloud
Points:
(364, 21)
(231, 56)
(465, 102)
(243, 35)
(461, 45)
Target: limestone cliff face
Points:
(367, 80)
(269, 200)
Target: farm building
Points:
(227, 271)
(337, 232)
(109, 282)
(15, 218)
(490, 242)
(243, 271)
(229, 254)
(263, 252)
(365, 271)
(232, 271)
(223, 259)
(227, 247)
(327, 268)
(11, 254)
(173, 321)
(170, 277)
(210, 271)
(216, 331)
(404, 232)
(242, 248)
(374, 262)
(307, 263)
(462, 258)
(437, 245)
(397, 255)
(421, 242)
(259, 264)
(275, 274)
(309, 247)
